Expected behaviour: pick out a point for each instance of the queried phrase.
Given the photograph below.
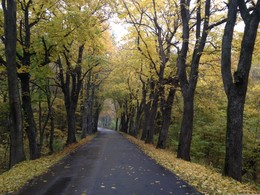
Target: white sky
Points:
(118, 29)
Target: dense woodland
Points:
(185, 77)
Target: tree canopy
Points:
(180, 71)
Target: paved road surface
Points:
(108, 165)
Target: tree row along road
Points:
(110, 164)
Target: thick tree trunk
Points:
(146, 121)
(150, 124)
(124, 123)
(132, 130)
(97, 111)
(87, 108)
(15, 114)
(166, 119)
(138, 115)
(30, 126)
(90, 111)
(233, 160)
(186, 128)
(236, 86)
(116, 129)
(71, 119)
(138, 119)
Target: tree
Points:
(30, 15)
(236, 86)
(156, 24)
(188, 77)
(76, 48)
(15, 118)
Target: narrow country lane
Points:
(108, 165)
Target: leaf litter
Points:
(203, 178)
(22, 173)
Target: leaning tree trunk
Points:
(30, 126)
(186, 127)
(15, 114)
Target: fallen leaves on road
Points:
(202, 178)
(12, 180)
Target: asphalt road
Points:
(108, 165)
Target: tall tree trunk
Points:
(123, 122)
(188, 83)
(90, 113)
(87, 109)
(96, 111)
(140, 110)
(166, 119)
(116, 129)
(236, 86)
(132, 130)
(150, 125)
(234, 135)
(41, 128)
(15, 114)
(71, 119)
(138, 119)
(146, 120)
(30, 126)
(51, 133)
(186, 127)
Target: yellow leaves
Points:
(11, 181)
(24, 69)
(203, 178)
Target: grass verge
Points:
(14, 179)
(204, 179)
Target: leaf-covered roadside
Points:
(202, 178)
(11, 181)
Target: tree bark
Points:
(186, 128)
(188, 83)
(51, 132)
(236, 86)
(30, 126)
(15, 115)
(116, 128)
(71, 84)
(234, 135)
(166, 118)
(87, 109)
(150, 124)
(97, 111)
(71, 119)
(146, 120)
